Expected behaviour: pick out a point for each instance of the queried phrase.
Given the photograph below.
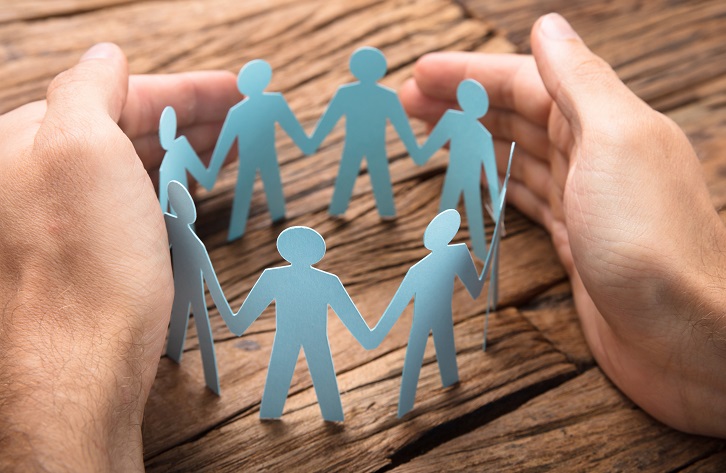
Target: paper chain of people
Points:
(301, 292)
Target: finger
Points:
(197, 97)
(95, 87)
(510, 126)
(576, 78)
(512, 81)
(501, 123)
(202, 137)
(529, 204)
(421, 106)
(526, 169)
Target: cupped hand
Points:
(620, 190)
(85, 276)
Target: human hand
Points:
(85, 277)
(620, 190)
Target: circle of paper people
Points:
(301, 292)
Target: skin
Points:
(620, 190)
(85, 278)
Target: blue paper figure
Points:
(493, 253)
(302, 295)
(430, 282)
(180, 157)
(192, 267)
(366, 106)
(252, 123)
(471, 146)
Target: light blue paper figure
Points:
(192, 267)
(252, 123)
(302, 295)
(430, 282)
(493, 252)
(367, 106)
(471, 146)
(180, 157)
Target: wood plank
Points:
(516, 362)
(212, 40)
(661, 49)
(179, 389)
(583, 425)
(25, 10)
(553, 314)
(711, 463)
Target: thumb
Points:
(582, 85)
(98, 84)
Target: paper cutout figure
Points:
(366, 106)
(252, 123)
(494, 248)
(471, 145)
(180, 157)
(302, 295)
(430, 282)
(192, 267)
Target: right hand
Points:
(620, 190)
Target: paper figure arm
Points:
(261, 295)
(499, 212)
(348, 313)
(466, 270)
(215, 289)
(289, 122)
(327, 122)
(402, 125)
(395, 308)
(490, 169)
(190, 160)
(437, 139)
(224, 144)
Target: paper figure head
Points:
(301, 246)
(254, 77)
(442, 229)
(368, 64)
(182, 203)
(167, 127)
(473, 98)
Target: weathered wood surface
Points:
(535, 400)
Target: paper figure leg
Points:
(475, 217)
(381, 183)
(270, 174)
(450, 194)
(443, 334)
(320, 363)
(206, 343)
(347, 174)
(279, 376)
(242, 198)
(178, 326)
(412, 368)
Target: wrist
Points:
(70, 395)
(700, 293)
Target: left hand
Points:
(85, 277)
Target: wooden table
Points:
(535, 400)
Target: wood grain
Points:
(583, 425)
(534, 400)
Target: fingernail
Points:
(556, 27)
(99, 51)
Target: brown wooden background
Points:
(535, 400)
